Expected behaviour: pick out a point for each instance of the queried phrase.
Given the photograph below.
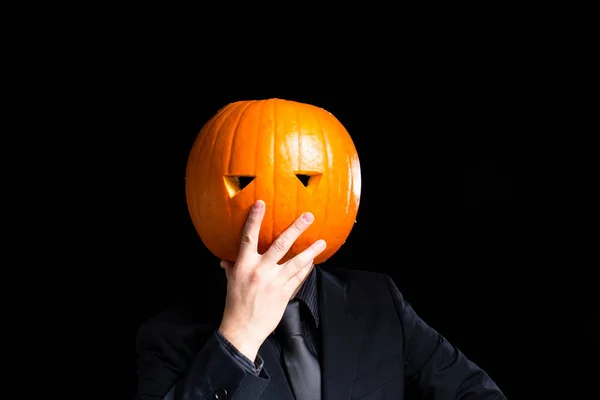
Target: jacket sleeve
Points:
(177, 361)
(434, 366)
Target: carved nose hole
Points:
(236, 184)
(309, 179)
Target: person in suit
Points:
(299, 331)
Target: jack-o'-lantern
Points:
(296, 157)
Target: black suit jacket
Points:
(374, 346)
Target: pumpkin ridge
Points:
(200, 139)
(218, 132)
(228, 163)
(257, 147)
(213, 132)
(326, 161)
(298, 128)
(274, 192)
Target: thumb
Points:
(226, 264)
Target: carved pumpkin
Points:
(294, 156)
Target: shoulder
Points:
(166, 344)
(352, 274)
(370, 295)
(357, 283)
(357, 278)
(180, 330)
(174, 316)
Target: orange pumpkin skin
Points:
(273, 141)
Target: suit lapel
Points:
(341, 337)
(278, 388)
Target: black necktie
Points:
(301, 365)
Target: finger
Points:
(293, 285)
(282, 244)
(249, 241)
(295, 270)
(225, 264)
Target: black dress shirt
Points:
(310, 324)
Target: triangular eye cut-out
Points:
(303, 178)
(236, 184)
(245, 181)
(309, 179)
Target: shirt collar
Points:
(308, 295)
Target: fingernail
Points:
(321, 244)
(308, 217)
(259, 204)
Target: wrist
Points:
(242, 341)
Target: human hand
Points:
(258, 288)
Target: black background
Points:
(463, 119)
(447, 130)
